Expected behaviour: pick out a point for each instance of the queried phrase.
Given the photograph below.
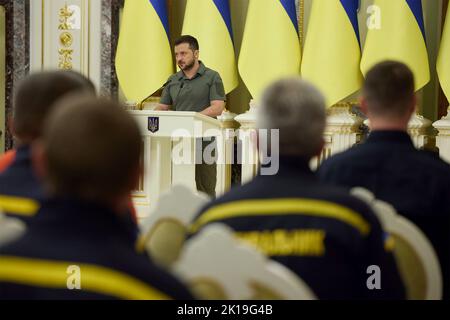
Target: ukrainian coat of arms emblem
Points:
(153, 124)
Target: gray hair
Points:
(297, 109)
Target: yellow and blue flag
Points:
(332, 52)
(401, 37)
(443, 63)
(143, 58)
(270, 45)
(210, 22)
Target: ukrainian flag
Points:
(210, 22)
(332, 52)
(270, 45)
(144, 57)
(443, 63)
(401, 37)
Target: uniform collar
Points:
(82, 215)
(201, 71)
(390, 136)
(294, 165)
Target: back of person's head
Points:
(297, 109)
(36, 96)
(91, 150)
(388, 90)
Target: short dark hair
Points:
(93, 148)
(389, 88)
(36, 95)
(193, 43)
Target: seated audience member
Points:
(414, 182)
(20, 190)
(77, 246)
(326, 236)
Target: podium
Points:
(169, 143)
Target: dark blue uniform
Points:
(320, 232)
(20, 189)
(414, 182)
(21, 192)
(68, 236)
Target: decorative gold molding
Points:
(64, 15)
(65, 59)
(65, 39)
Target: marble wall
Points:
(110, 33)
(17, 51)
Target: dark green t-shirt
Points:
(195, 94)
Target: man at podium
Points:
(195, 88)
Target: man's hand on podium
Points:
(162, 107)
(215, 110)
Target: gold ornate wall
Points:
(66, 35)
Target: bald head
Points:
(36, 95)
(92, 149)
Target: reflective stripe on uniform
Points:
(303, 207)
(57, 275)
(19, 206)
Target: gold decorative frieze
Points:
(65, 59)
(65, 38)
(64, 15)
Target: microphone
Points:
(141, 104)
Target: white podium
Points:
(169, 144)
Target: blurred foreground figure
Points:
(416, 183)
(79, 245)
(20, 189)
